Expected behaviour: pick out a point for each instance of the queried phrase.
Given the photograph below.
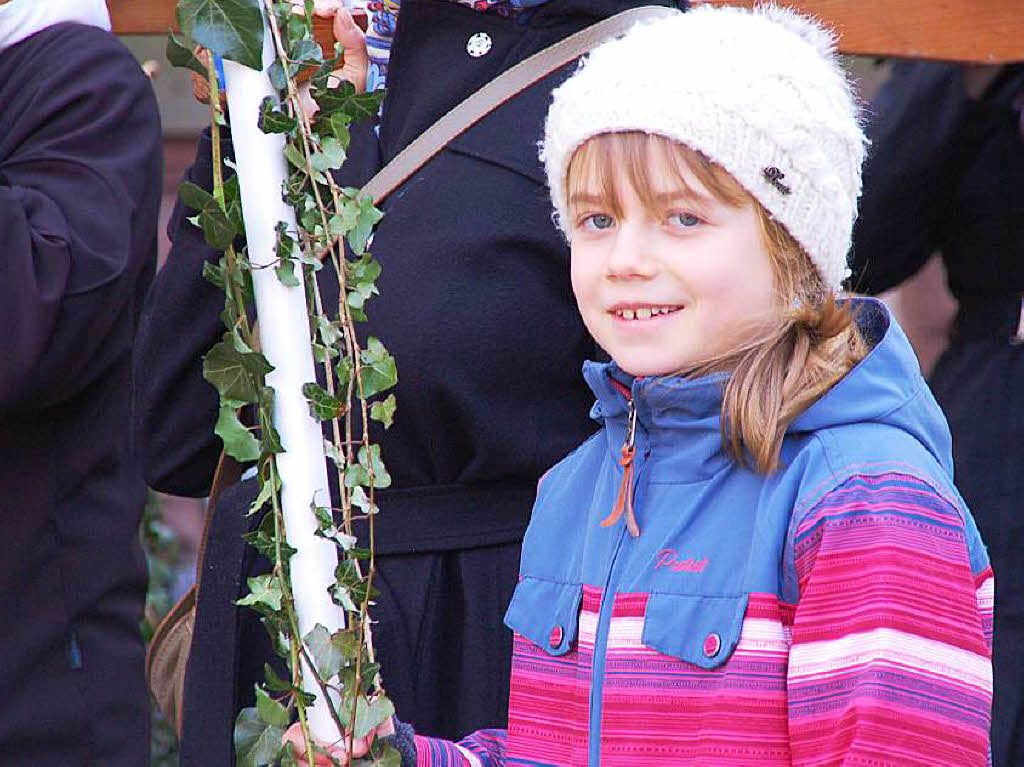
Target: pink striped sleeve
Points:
(891, 655)
(484, 748)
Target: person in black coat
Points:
(946, 174)
(80, 172)
(475, 304)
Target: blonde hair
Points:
(785, 367)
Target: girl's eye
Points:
(598, 221)
(685, 220)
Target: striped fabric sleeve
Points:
(484, 748)
(890, 660)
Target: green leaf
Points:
(322, 406)
(263, 590)
(274, 682)
(370, 459)
(270, 710)
(384, 411)
(326, 654)
(256, 742)
(361, 500)
(217, 228)
(365, 221)
(306, 52)
(330, 332)
(330, 156)
(378, 369)
(295, 157)
(385, 755)
(267, 489)
(338, 125)
(238, 442)
(371, 714)
(180, 54)
(343, 597)
(333, 452)
(232, 29)
(237, 376)
(343, 370)
(194, 196)
(214, 273)
(285, 271)
(273, 120)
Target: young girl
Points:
(760, 558)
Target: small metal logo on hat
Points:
(774, 177)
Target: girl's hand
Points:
(360, 746)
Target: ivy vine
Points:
(357, 377)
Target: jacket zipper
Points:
(624, 504)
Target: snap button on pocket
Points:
(556, 637)
(712, 644)
(479, 45)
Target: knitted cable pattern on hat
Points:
(759, 92)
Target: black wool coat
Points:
(80, 180)
(945, 174)
(477, 309)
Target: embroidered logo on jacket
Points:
(678, 563)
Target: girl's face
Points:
(665, 284)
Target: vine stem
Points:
(354, 352)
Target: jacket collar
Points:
(681, 415)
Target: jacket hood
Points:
(885, 388)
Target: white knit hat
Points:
(758, 92)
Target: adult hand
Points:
(346, 31)
(360, 746)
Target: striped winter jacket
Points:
(838, 611)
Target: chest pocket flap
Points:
(546, 613)
(702, 630)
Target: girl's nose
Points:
(629, 256)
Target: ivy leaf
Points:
(371, 714)
(366, 219)
(214, 273)
(263, 590)
(237, 376)
(285, 272)
(362, 501)
(333, 452)
(337, 124)
(233, 203)
(326, 654)
(274, 682)
(180, 54)
(194, 196)
(378, 371)
(267, 489)
(238, 441)
(256, 742)
(273, 120)
(343, 597)
(330, 332)
(306, 52)
(385, 755)
(232, 29)
(269, 710)
(295, 157)
(218, 231)
(322, 406)
(384, 412)
(330, 156)
(370, 460)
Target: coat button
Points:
(556, 637)
(479, 45)
(712, 644)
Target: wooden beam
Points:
(141, 17)
(970, 31)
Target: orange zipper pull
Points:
(624, 502)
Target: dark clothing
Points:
(81, 161)
(477, 309)
(946, 173)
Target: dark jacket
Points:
(80, 168)
(946, 174)
(477, 309)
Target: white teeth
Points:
(643, 314)
(627, 314)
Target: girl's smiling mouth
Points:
(642, 311)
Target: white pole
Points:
(284, 336)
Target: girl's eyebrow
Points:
(683, 195)
(592, 199)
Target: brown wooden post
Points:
(974, 31)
